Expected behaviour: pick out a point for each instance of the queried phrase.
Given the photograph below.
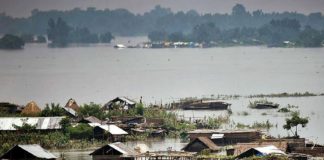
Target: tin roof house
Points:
(31, 152)
(41, 123)
(261, 151)
(201, 143)
(119, 103)
(113, 151)
(111, 132)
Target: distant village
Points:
(129, 120)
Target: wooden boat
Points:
(207, 105)
(266, 106)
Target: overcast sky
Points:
(22, 8)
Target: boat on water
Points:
(207, 105)
(266, 106)
(119, 46)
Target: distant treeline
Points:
(122, 22)
(61, 34)
(278, 33)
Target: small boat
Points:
(207, 105)
(119, 46)
(266, 106)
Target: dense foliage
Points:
(9, 41)
(92, 109)
(61, 34)
(123, 22)
(52, 110)
(283, 32)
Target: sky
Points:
(22, 8)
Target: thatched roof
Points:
(31, 109)
(72, 104)
(205, 141)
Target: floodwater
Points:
(98, 73)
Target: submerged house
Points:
(31, 109)
(110, 132)
(120, 103)
(201, 143)
(240, 148)
(116, 151)
(227, 137)
(261, 151)
(31, 152)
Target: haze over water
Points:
(99, 73)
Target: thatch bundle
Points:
(31, 109)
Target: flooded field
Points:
(99, 73)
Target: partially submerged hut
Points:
(111, 132)
(261, 151)
(31, 109)
(115, 150)
(227, 137)
(31, 151)
(201, 143)
(243, 147)
(120, 103)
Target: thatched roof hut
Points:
(31, 109)
(72, 104)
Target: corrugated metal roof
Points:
(222, 131)
(37, 151)
(123, 149)
(94, 124)
(269, 150)
(243, 147)
(42, 123)
(92, 119)
(131, 102)
(118, 146)
(113, 129)
(205, 140)
(70, 110)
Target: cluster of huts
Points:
(236, 143)
(114, 129)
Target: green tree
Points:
(310, 37)
(294, 121)
(81, 131)
(92, 109)
(52, 110)
(157, 36)
(65, 123)
(9, 41)
(58, 32)
(106, 37)
(140, 109)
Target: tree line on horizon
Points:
(122, 22)
(277, 33)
